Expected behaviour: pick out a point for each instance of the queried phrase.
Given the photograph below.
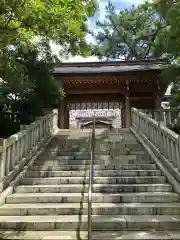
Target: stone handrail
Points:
(166, 116)
(164, 142)
(19, 148)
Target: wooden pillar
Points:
(159, 115)
(123, 114)
(62, 111)
(66, 114)
(127, 106)
(157, 97)
(61, 114)
(127, 112)
(157, 102)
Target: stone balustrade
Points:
(18, 149)
(164, 142)
(166, 116)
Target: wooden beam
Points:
(94, 91)
(141, 98)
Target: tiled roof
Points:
(107, 67)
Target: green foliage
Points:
(61, 21)
(169, 40)
(169, 43)
(32, 88)
(169, 75)
(129, 34)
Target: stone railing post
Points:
(55, 120)
(3, 143)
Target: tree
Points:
(169, 43)
(27, 28)
(129, 34)
(169, 40)
(61, 21)
(31, 90)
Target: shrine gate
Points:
(108, 90)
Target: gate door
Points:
(105, 111)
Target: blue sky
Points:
(119, 5)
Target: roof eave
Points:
(104, 72)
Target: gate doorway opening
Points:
(108, 114)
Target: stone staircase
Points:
(131, 197)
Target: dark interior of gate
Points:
(108, 91)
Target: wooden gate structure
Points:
(108, 90)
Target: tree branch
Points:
(124, 39)
(153, 39)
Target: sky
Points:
(119, 5)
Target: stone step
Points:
(97, 161)
(120, 150)
(129, 139)
(95, 167)
(106, 222)
(97, 209)
(100, 150)
(142, 197)
(85, 155)
(96, 235)
(98, 188)
(106, 173)
(81, 152)
(96, 157)
(119, 147)
(100, 143)
(98, 180)
(104, 153)
(71, 152)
